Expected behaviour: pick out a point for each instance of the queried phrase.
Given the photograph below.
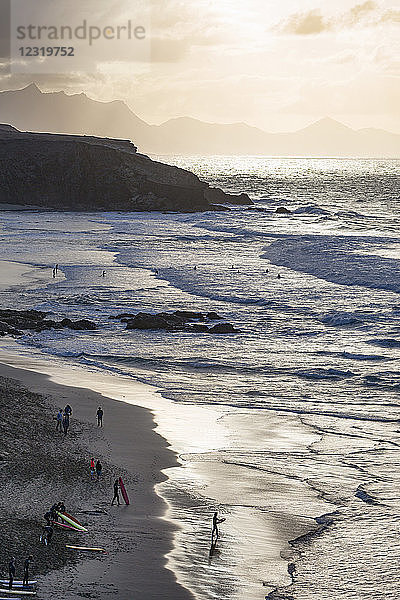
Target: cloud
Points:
(391, 16)
(308, 23)
(358, 12)
(314, 22)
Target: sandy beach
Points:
(151, 542)
(135, 537)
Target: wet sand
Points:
(264, 509)
(19, 274)
(136, 537)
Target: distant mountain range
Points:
(30, 109)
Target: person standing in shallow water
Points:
(100, 414)
(215, 523)
(116, 494)
(292, 570)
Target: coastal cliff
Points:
(85, 173)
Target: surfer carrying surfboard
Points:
(116, 494)
(215, 523)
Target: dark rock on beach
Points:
(281, 210)
(85, 173)
(223, 328)
(213, 316)
(180, 320)
(217, 195)
(83, 325)
(159, 321)
(13, 322)
(197, 328)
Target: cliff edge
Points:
(86, 173)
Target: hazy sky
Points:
(275, 64)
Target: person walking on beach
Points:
(116, 494)
(11, 572)
(47, 534)
(27, 564)
(54, 273)
(100, 414)
(99, 469)
(56, 268)
(59, 418)
(215, 523)
(48, 517)
(92, 468)
(68, 410)
(65, 423)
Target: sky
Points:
(275, 64)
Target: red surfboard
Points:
(123, 491)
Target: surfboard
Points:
(20, 592)
(86, 549)
(19, 586)
(72, 518)
(17, 582)
(65, 526)
(123, 491)
(71, 522)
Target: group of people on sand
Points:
(12, 570)
(63, 419)
(51, 516)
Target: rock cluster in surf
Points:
(15, 322)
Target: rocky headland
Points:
(86, 173)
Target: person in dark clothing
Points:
(27, 564)
(65, 423)
(47, 534)
(116, 494)
(53, 512)
(99, 469)
(68, 410)
(292, 570)
(215, 523)
(11, 572)
(48, 517)
(59, 419)
(100, 414)
(61, 507)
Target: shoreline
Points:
(138, 537)
(187, 490)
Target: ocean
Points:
(290, 428)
